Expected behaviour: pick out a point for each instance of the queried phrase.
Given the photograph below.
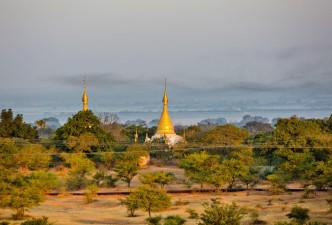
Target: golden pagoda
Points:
(136, 136)
(85, 98)
(165, 125)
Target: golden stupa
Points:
(165, 125)
(85, 98)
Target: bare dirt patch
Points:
(72, 210)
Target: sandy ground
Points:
(72, 210)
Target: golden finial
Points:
(85, 97)
(165, 125)
(165, 98)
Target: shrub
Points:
(299, 215)
(91, 191)
(174, 220)
(181, 202)
(192, 214)
(154, 220)
(4, 223)
(221, 214)
(40, 221)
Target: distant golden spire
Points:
(136, 136)
(165, 125)
(85, 98)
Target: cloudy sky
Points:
(211, 50)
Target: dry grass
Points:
(73, 210)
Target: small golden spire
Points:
(136, 136)
(165, 125)
(165, 98)
(85, 97)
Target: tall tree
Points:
(197, 166)
(15, 127)
(82, 123)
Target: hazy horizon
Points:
(214, 54)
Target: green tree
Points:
(79, 167)
(160, 178)
(236, 170)
(33, 157)
(84, 143)
(197, 166)
(15, 127)
(224, 135)
(43, 181)
(218, 176)
(85, 122)
(127, 167)
(277, 183)
(150, 199)
(216, 213)
(20, 196)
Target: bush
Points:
(40, 221)
(91, 191)
(221, 214)
(77, 183)
(174, 220)
(192, 214)
(4, 223)
(181, 202)
(154, 220)
(299, 215)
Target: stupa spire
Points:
(136, 136)
(165, 125)
(85, 97)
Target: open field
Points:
(72, 210)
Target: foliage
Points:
(15, 127)
(218, 175)
(154, 220)
(236, 169)
(127, 166)
(40, 221)
(82, 123)
(277, 183)
(79, 167)
(255, 127)
(43, 181)
(197, 166)
(299, 215)
(102, 179)
(84, 143)
(192, 214)
(149, 199)
(160, 178)
(33, 157)
(224, 135)
(90, 192)
(174, 220)
(22, 198)
(216, 213)
(4, 223)
(296, 165)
